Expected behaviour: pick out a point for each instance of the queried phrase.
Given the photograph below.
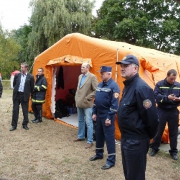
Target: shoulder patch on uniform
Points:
(116, 95)
(147, 103)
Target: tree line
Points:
(148, 23)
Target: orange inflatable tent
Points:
(74, 49)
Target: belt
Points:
(20, 92)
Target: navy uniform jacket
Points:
(39, 92)
(106, 99)
(137, 114)
(161, 92)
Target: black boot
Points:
(40, 116)
(39, 119)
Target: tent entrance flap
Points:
(69, 60)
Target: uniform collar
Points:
(174, 84)
(108, 82)
(39, 76)
(129, 81)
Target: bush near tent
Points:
(74, 49)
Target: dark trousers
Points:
(37, 109)
(172, 118)
(134, 158)
(105, 133)
(15, 113)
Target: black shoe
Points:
(12, 128)
(25, 127)
(37, 121)
(174, 156)
(94, 158)
(106, 166)
(153, 152)
(34, 120)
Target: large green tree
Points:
(148, 23)
(9, 50)
(21, 37)
(53, 19)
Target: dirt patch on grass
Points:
(47, 152)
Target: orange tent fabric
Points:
(74, 49)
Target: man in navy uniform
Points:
(104, 110)
(137, 118)
(167, 94)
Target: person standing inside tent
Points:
(137, 119)
(167, 94)
(38, 97)
(1, 88)
(104, 110)
(84, 97)
(23, 85)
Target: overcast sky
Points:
(15, 13)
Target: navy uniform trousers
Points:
(134, 158)
(105, 133)
(171, 116)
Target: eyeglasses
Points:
(39, 71)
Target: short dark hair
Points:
(25, 64)
(41, 69)
(172, 71)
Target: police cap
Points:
(106, 69)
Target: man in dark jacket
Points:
(104, 110)
(1, 88)
(23, 87)
(38, 97)
(137, 118)
(167, 94)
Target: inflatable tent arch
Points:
(74, 49)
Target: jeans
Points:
(85, 118)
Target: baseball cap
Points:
(129, 59)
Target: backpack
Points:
(61, 109)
